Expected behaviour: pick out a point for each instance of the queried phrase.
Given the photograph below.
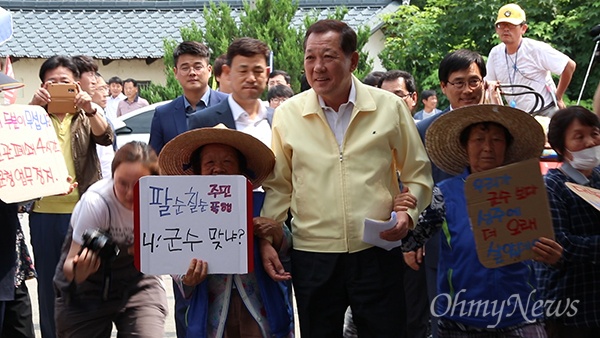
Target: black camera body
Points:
(101, 243)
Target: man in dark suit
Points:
(246, 69)
(192, 70)
(246, 73)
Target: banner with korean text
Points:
(31, 162)
(508, 209)
(178, 218)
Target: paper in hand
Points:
(373, 228)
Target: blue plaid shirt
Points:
(575, 283)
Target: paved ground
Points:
(32, 285)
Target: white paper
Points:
(373, 228)
(31, 161)
(186, 217)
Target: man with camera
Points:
(79, 127)
(97, 284)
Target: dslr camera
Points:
(101, 243)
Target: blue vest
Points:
(468, 292)
(274, 295)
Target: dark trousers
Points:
(432, 256)
(417, 303)
(47, 232)
(16, 318)
(369, 281)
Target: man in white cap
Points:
(523, 61)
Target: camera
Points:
(101, 243)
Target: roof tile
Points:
(117, 34)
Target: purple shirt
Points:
(126, 107)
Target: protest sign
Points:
(31, 162)
(508, 209)
(590, 195)
(178, 218)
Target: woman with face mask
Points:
(571, 287)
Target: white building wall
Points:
(27, 71)
(374, 46)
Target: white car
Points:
(135, 126)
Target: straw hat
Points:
(175, 156)
(443, 144)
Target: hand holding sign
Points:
(196, 273)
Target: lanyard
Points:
(515, 68)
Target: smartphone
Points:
(62, 98)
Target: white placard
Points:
(178, 218)
(31, 162)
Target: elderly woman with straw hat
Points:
(465, 141)
(243, 305)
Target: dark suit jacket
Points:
(220, 113)
(432, 247)
(422, 126)
(169, 120)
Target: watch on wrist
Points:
(92, 113)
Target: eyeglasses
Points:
(504, 25)
(278, 99)
(197, 68)
(401, 94)
(473, 83)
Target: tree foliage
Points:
(419, 35)
(267, 20)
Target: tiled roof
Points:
(119, 32)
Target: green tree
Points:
(419, 35)
(266, 20)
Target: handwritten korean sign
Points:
(590, 195)
(508, 209)
(31, 162)
(178, 218)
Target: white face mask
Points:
(585, 159)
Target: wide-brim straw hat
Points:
(443, 143)
(175, 156)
